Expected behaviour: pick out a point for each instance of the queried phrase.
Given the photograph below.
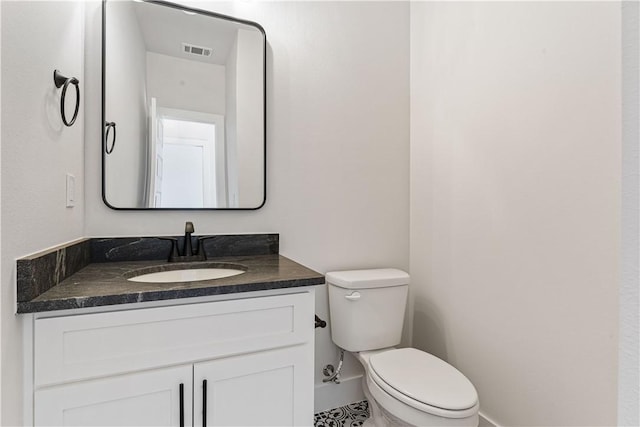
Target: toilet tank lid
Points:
(363, 279)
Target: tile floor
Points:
(352, 415)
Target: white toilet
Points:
(404, 386)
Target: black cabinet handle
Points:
(204, 403)
(181, 405)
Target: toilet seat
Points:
(423, 382)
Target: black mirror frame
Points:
(264, 98)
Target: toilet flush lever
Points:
(353, 297)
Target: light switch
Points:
(71, 190)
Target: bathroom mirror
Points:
(183, 108)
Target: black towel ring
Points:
(109, 125)
(64, 82)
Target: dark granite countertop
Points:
(93, 272)
(105, 283)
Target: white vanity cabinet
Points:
(235, 362)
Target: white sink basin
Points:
(186, 275)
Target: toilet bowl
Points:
(404, 386)
(410, 387)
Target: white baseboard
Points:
(486, 421)
(330, 395)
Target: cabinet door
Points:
(269, 388)
(151, 398)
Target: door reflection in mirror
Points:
(189, 161)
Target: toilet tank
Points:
(367, 307)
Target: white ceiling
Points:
(165, 29)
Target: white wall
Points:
(629, 298)
(249, 118)
(1, 299)
(126, 105)
(337, 172)
(186, 85)
(37, 150)
(515, 193)
(230, 123)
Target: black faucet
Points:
(188, 249)
(188, 254)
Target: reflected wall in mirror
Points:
(184, 108)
